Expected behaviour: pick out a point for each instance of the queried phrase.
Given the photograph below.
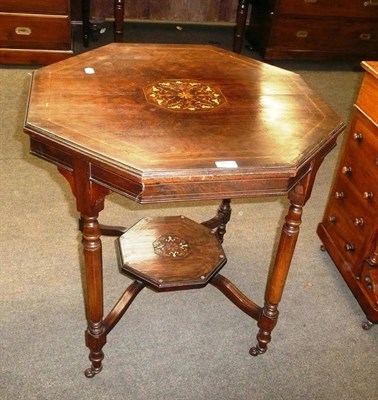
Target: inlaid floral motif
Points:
(171, 246)
(184, 95)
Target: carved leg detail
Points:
(106, 230)
(224, 211)
(266, 323)
(219, 222)
(277, 278)
(95, 345)
(95, 334)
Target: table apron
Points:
(164, 190)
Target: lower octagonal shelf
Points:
(170, 253)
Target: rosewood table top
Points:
(160, 123)
(161, 117)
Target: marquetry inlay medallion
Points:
(171, 246)
(184, 95)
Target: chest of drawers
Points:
(349, 230)
(315, 29)
(34, 32)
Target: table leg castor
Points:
(367, 325)
(91, 372)
(256, 350)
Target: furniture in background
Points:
(177, 131)
(349, 229)
(34, 32)
(314, 29)
(119, 12)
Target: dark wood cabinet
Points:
(215, 11)
(36, 32)
(349, 229)
(314, 29)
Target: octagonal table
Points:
(165, 123)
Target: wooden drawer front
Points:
(330, 8)
(359, 166)
(344, 196)
(35, 31)
(35, 7)
(349, 216)
(368, 97)
(342, 221)
(369, 273)
(317, 34)
(369, 280)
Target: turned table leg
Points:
(95, 333)
(277, 278)
(298, 197)
(90, 199)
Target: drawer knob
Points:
(346, 170)
(349, 247)
(357, 137)
(332, 219)
(23, 31)
(368, 282)
(339, 195)
(370, 3)
(359, 221)
(368, 195)
(301, 34)
(365, 36)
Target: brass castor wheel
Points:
(367, 325)
(91, 372)
(256, 350)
